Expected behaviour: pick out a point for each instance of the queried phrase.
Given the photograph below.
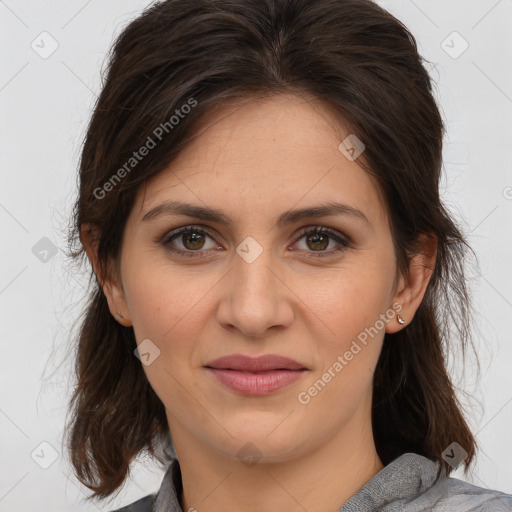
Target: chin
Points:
(265, 446)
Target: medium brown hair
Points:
(364, 64)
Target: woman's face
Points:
(258, 282)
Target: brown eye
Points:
(317, 240)
(189, 241)
(192, 240)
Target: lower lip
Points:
(261, 383)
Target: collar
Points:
(168, 496)
(405, 478)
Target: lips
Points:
(255, 376)
(255, 364)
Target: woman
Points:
(275, 272)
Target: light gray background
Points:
(45, 105)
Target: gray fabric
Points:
(413, 483)
(143, 505)
(410, 483)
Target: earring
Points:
(401, 321)
(120, 315)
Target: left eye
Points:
(193, 241)
(319, 239)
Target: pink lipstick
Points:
(256, 376)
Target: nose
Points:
(255, 297)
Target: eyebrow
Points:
(286, 218)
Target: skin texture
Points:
(254, 161)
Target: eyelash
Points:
(344, 244)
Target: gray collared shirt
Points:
(410, 483)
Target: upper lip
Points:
(255, 364)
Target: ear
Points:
(411, 287)
(89, 236)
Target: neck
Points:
(322, 479)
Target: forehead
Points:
(266, 155)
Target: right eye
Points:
(191, 239)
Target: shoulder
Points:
(167, 496)
(144, 504)
(452, 494)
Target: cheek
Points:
(165, 302)
(172, 308)
(350, 305)
(350, 350)
(169, 308)
(349, 300)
